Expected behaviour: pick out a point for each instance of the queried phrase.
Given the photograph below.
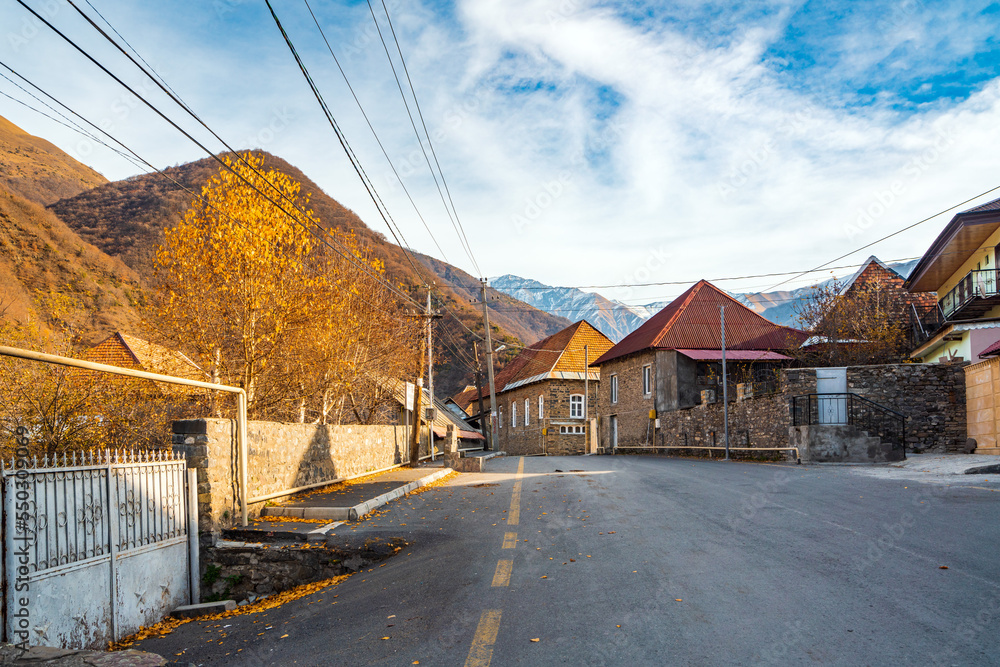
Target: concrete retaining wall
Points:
(839, 443)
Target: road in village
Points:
(652, 561)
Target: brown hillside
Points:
(38, 171)
(48, 273)
(126, 219)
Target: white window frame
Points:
(614, 388)
(571, 430)
(541, 407)
(527, 412)
(576, 414)
(513, 414)
(500, 417)
(647, 380)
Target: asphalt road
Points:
(652, 561)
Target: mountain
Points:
(48, 274)
(32, 168)
(616, 319)
(612, 318)
(126, 220)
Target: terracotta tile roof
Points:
(692, 322)
(127, 351)
(562, 352)
(466, 398)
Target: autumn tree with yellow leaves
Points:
(310, 332)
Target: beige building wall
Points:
(982, 393)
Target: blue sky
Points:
(583, 142)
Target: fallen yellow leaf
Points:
(536, 639)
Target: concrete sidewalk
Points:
(313, 515)
(950, 464)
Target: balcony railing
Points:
(978, 284)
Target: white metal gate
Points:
(832, 409)
(97, 548)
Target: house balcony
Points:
(975, 294)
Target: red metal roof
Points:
(692, 322)
(734, 355)
(992, 349)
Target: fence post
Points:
(114, 516)
(194, 564)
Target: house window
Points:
(541, 407)
(576, 406)
(614, 389)
(500, 417)
(527, 411)
(564, 430)
(647, 380)
(513, 415)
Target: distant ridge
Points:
(616, 319)
(35, 169)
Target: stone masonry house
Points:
(542, 408)
(673, 361)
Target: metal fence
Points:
(96, 547)
(865, 415)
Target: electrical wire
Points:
(374, 133)
(888, 236)
(343, 252)
(456, 224)
(430, 143)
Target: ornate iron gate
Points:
(95, 549)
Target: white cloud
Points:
(611, 138)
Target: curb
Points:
(357, 511)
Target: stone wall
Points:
(282, 456)
(756, 422)
(931, 396)
(253, 571)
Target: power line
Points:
(374, 133)
(711, 280)
(69, 124)
(889, 236)
(345, 252)
(456, 223)
(369, 187)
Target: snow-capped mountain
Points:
(616, 319)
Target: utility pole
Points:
(725, 380)
(430, 316)
(586, 400)
(415, 431)
(489, 368)
(430, 375)
(479, 386)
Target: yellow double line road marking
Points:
(481, 652)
